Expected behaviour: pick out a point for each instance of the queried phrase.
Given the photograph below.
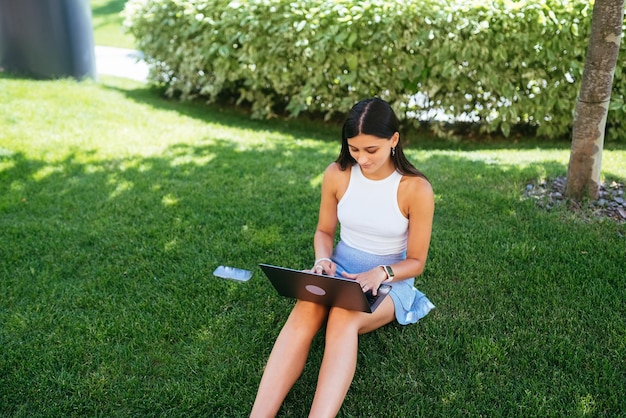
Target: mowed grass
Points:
(107, 24)
(117, 205)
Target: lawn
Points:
(107, 24)
(116, 205)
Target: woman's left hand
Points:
(369, 280)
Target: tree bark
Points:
(583, 173)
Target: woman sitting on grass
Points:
(385, 207)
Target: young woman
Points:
(385, 208)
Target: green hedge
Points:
(500, 65)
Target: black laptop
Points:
(323, 289)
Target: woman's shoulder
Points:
(336, 180)
(415, 196)
(416, 186)
(334, 171)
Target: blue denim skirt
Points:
(410, 304)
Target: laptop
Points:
(323, 289)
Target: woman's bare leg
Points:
(340, 354)
(288, 357)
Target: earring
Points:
(393, 151)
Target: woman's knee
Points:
(343, 320)
(307, 317)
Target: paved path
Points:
(119, 62)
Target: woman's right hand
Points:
(324, 266)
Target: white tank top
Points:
(370, 217)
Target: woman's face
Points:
(373, 154)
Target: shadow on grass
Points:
(108, 288)
(107, 13)
(108, 9)
(231, 116)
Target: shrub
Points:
(498, 65)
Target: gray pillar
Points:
(47, 38)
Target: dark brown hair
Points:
(373, 117)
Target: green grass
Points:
(107, 24)
(116, 206)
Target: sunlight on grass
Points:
(316, 181)
(121, 186)
(107, 24)
(587, 405)
(170, 200)
(188, 159)
(6, 165)
(46, 172)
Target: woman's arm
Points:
(418, 198)
(324, 238)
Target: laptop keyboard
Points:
(382, 291)
(370, 297)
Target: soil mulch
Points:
(551, 194)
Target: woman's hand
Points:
(369, 280)
(324, 266)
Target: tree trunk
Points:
(583, 173)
